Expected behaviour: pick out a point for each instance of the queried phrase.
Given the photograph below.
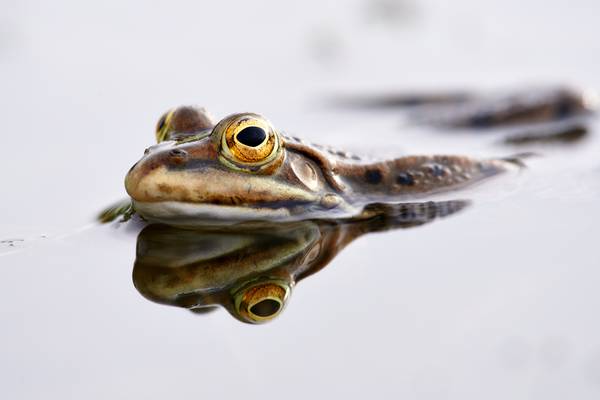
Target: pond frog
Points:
(244, 169)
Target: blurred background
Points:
(500, 302)
(100, 74)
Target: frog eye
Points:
(247, 139)
(183, 121)
(163, 126)
(261, 302)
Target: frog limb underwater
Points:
(537, 115)
(243, 169)
(487, 110)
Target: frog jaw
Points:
(193, 214)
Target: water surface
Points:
(498, 301)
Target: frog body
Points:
(486, 111)
(242, 169)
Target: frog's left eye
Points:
(181, 122)
(247, 140)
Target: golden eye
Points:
(247, 140)
(261, 302)
(163, 126)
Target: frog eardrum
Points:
(247, 140)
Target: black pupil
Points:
(251, 136)
(265, 308)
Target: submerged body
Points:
(531, 105)
(242, 169)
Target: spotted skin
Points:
(417, 175)
(189, 178)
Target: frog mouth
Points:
(195, 214)
(192, 214)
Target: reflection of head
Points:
(248, 271)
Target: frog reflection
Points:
(251, 270)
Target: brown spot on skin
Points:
(413, 174)
(373, 176)
(164, 188)
(405, 178)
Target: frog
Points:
(243, 169)
(236, 212)
(251, 270)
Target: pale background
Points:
(500, 302)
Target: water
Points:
(496, 302)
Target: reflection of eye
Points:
(265, 308)
(261, 301)
(247, 139)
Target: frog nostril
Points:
(178, 153)
(178, 156)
